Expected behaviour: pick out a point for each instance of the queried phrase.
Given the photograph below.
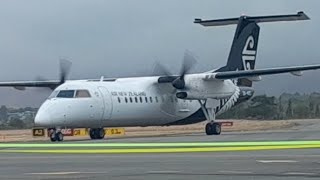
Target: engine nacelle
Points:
(197, 96)
(197, 88)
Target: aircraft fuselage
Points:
(124, 102)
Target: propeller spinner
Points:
(187, 64)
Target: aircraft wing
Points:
(20, 85)
(295, 70)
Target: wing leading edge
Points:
(21, 85)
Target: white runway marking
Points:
(162, 172)
(277, 161)
(236, 172)
(53, 173)
(63, 173)
(300, 173)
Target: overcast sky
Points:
(123, 38)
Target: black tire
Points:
(59, 136)
(93, 134)
(53, 136)
(216, 128)
(209, 129)
(100, 133)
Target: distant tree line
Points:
(16, 118)
(286, 106)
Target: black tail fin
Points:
(243, 51)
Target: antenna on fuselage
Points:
(101, 78)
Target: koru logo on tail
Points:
(248, 54)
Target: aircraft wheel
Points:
(209, 129)
(59, 136)
(213, 128)
(53, 136)
(93, 134)
(100, 133)
(216, 128)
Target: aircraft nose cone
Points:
(42, 119)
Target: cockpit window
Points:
(66, 94)
(82, 94)
(53, 94)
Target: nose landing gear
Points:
(97, 133)
(55, 135)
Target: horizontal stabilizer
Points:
(258, 19)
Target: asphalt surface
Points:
(262, 164)
(284, 164)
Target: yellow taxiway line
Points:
(158, 150)
(158, 145)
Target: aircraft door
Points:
(107, 101)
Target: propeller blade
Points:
(65, 67)
(160, 70)
(188, 62)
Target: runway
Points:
(269, 163)
(284, 164)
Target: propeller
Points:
(160, 70)
(65, 67)
(188, 62)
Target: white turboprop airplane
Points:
(160, 100)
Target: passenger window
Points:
(151, 99)
(146, 99)
(140, 99)
(136, 99)
(130, 99)
(66, 94)
(126, 99)
(82, 94)
(156, 99)
(119, 100)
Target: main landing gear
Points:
(212, 128)
(97, 133)
(55, 135)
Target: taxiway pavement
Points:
(280, 164)
(261, 164)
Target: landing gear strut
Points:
(96, 133)
(55, 135)
(212, 128)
